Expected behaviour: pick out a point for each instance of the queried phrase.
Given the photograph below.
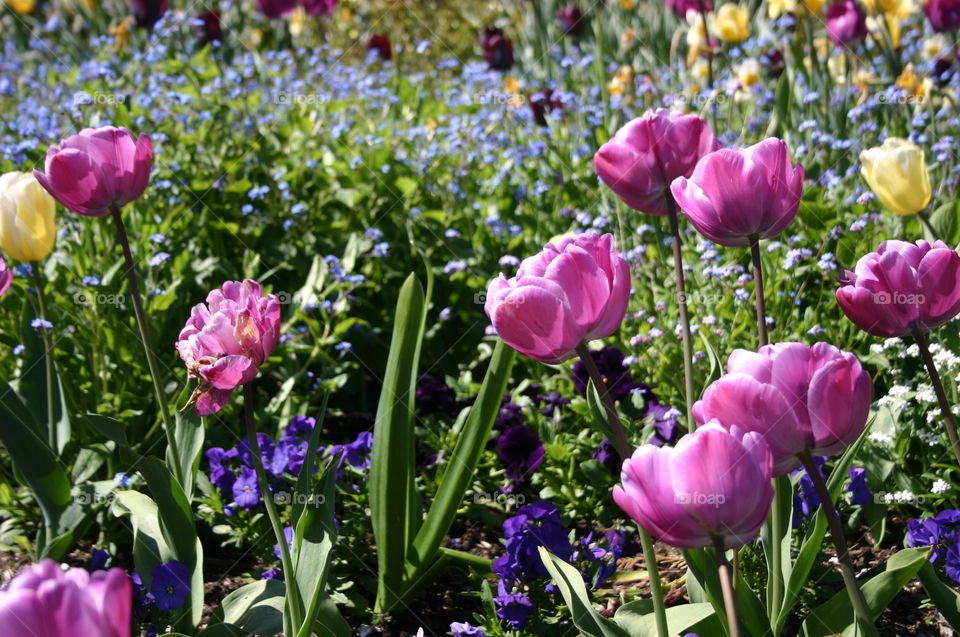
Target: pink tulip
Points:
(846, 23)
(46, 601)
(6, 276)
(97, 170)
(225, 341)
(571, 292)
(648, 153)
(944, 15)
(901, 287)
(714, 483)
(798, 397)
(734, 195)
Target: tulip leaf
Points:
(638, 620)
(569, 582)
(391, 480)
(836, 615)
(32, 386)
(256, 608)
(944, 597)
(945, 222)
(189, 432)
(599, 415)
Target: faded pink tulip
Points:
(846, 23)
(6, 276)
(734, 195)
(97, 170)
(798, 397)
(44, 600)
(901, 287)
(648, 153)
(571, 292)
(714, 483)
(225, 341)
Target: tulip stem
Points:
(47, 358)
(684, 317)
(859, 603)
(758, 290)
(293, 594)
(925, 222)
(653, 574)
(945, 408)
(725, 571)
(174, 452)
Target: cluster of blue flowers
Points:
(806, 501)
(941, 532)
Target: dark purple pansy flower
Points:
(98, 559)
(266, 450)
(616, 376)
(222, 477)
(300, 427)
(147, 13)
(535, 525)
(465, 629)
(510, 415)
(513, 608)
(521, 453)
(806, 502)
(246, 493)
(435, 397)
(952, 567)
(664, 420)
(271, 573)
(859, 491)
(605, 454)
(170, 585)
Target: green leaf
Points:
(944, 597)
(256, 608)
(32, 386)
(391, 482)
(189, 433)
(463, 462)
(836, 614)
(945, 223)
(600, 419)
(569, 581)
(110, 428)
(637, 617)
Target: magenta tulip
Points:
(682, 7)
(571, 292)
(319, 7)
(901, 287)
(276, 9)
(225, 341)
(944, 15)
(648, 153)
(846, 23)
(44, 600)
(714, 484)
(6, 276)
(97, 170)
(798, 397)
(734, 195)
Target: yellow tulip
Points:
(776, 8)
(731, 23)
(622, 82)
(813, 6)
(23, 7)
(897, 174)
(27, 227)
(748, 73)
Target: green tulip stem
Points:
(174, 452)
(293, 594)
(945, 408)
(47, 358)
(925, 222)
(725, 571)
(622, 447)
(682, 299)
(758, 290)
(857, 600)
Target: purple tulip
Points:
(97, 169)
(714, 484)
(6, 276)
(901, 287)
(571, 20)
(276, 9)
(681, 7)
(648, 153)
(47, 601)
(736, 195)
(147, 13)
(319, 7)
(846, 23)
(497, 49)
(570, 293)
(798, 397)
(944, 15)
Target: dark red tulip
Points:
(542, 102)
(772, 62)
(571, 20)
(206, 27)
(147, 13)
(497, 51)
(381, 44)
(319, 7)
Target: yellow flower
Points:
(813, 6)
(297, 21)
(22, 7)
(628, 38)
(731, 23)
(934, 46)
(622, 82)
(627, 5)
(776, 8)
(121, 33)
(897, 173)
(748, 73)
(27, 227)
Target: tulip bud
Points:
(897, 173)
(714, 484)
(796, 396)
(27, 226)
(734, 195)
(6, 276)
(846, 23)
(901, 287)
(571, 292)
(497, 50)
(380, 45)
(571, 20)
(731, 23)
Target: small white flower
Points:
(881, 438)
(940, 486)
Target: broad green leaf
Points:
(189, 433)
(638, 620)
(944, 597)
(569, 581)
(256, 608)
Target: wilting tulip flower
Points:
(380, 44)
(846, 23)
(6, 276)
(648, 153)
(714, 484)
(897, 173)
(901, 287)
(276, 9)
(207, 28)
(147, 13)
(571, 20)
(731, 23)
(497, 50)
(319, 7)
(944, 15)
(225, 341)
(734, 195)
(27, 227)
(571, 292)
(97, 170)
(543, 102)
(44, 600)
(798, 397)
